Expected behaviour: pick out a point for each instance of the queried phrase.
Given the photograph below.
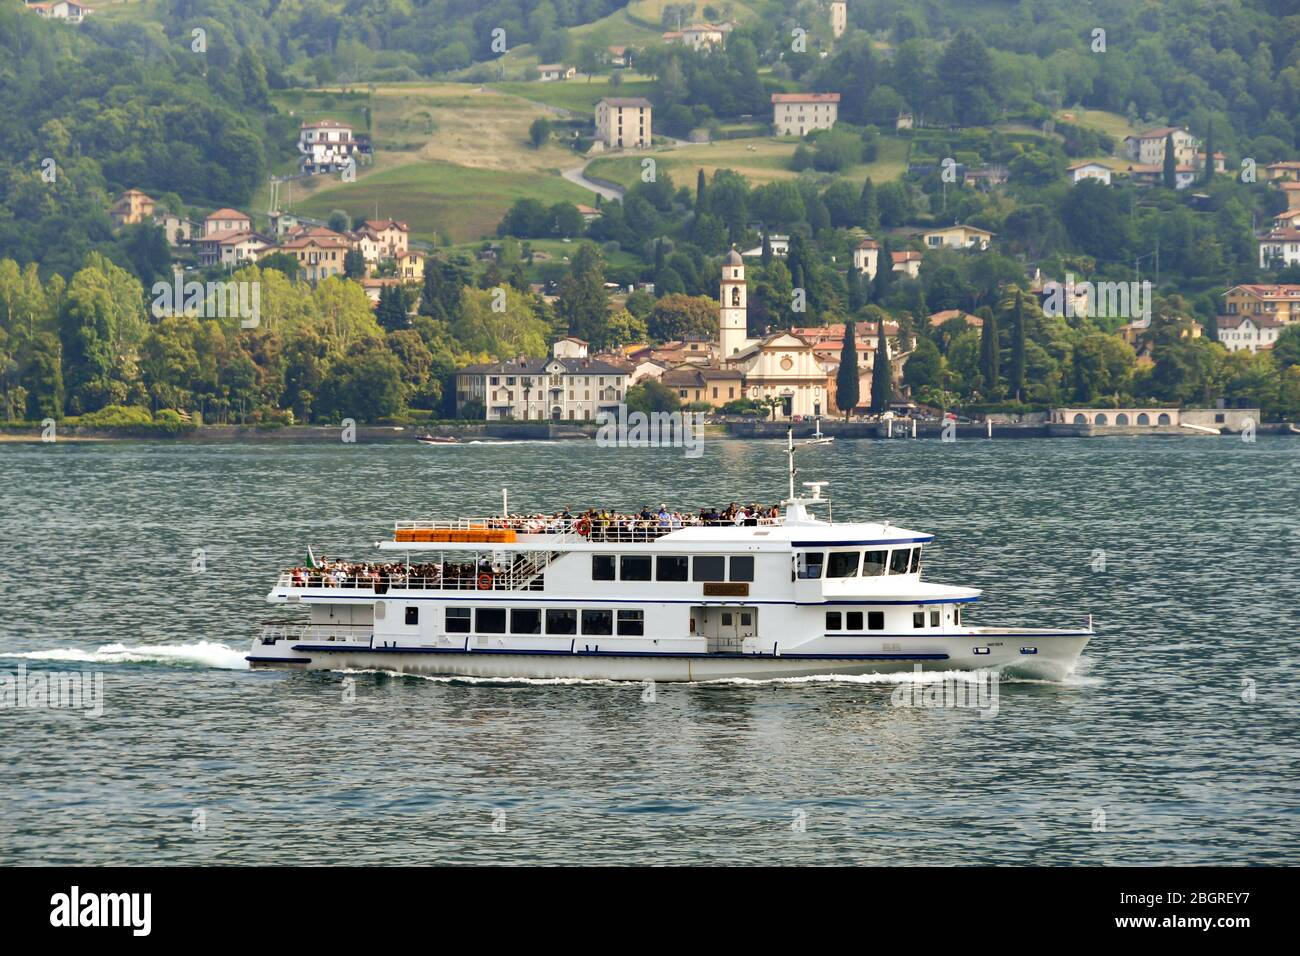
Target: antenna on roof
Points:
(789, 450)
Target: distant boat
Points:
(818, 438)
(437, 440)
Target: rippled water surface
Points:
(1175, 743)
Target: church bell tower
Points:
(733, 322)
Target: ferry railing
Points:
(621, 530)
(521, 577)
(273, 631)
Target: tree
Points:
(1018, 348)
(338, 220)
(1207, 177)
(652, 396)
(539, 132)
(581, 301)
(924, 368)
(354, 264)
(846, 379)
(1170, 172)
(989, 355)
(391, 311)
(882, 384)
(677, 316)
(365, 384)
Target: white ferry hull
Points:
(1053, 659)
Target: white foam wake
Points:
(204, 653)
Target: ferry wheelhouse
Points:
(792, 596)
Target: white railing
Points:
(564, 530)
(273, 631)
(522, 576)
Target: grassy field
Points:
(439, 200)
(577, 95)
(1112, 124)
(759, 160)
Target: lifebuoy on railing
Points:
(485, 582)
(584, 527)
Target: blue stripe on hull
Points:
(541, 652)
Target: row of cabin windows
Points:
(851, 564)
(672, 567)
(558, 621)
(852, 620)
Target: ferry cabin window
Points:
(746, 619)
(808, 564)
(458, 620)
(672, 567)
(631, 623)
(525, 620)
(934, 618)
(709, 567)
(918, 619)
(916, 560)
(634, 567)
(561, 620)
(832, 620)
(490, 620)
(843, 564)
(956, 615)
(873, 563)
(602, 567)
(726, 619)
(852, 620)
(899, 559)
(742, 568)
(875, 620)
(597, 623)
(412, 615)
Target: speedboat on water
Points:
(437, 440)
(744, 593)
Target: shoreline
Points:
(517, 432)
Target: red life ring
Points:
(584, 527)
(485, 582)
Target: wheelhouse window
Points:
(875, 620)
(597, 623)
(916, 560)
(709, 567)
(833, 621)
(853, 621)
(873, 563)
(918, 619)
(634, 567)
(525, 620)
(742, 567)
(561, 620)
(956, 615)
(490, 620)
(843, 564)
(602, 567)
(672, 567)
(412, 615)
(458, 620)
(631, 623)
(899, 559)
(808, 564)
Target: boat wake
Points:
(202, 654)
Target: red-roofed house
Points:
(226, 222)
(1279, 248)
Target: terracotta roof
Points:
(1282, 291)
(805, 97)
(1259, 321)
(939, 318)
(228, 214)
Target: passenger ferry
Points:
(794, 595)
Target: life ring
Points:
(584, 527)
(485, 582)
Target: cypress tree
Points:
(1018, 348)
(882, 386)
(659, 256)
(699, 192)
(1171, 163)
(855, 289)
(884, 273)
(868, 210)
(767, 251)
(846, 379)
(989, 354)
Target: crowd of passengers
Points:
(603, 524)
(356, 574)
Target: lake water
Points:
(1175, 743)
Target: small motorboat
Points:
(818, 438)
(437, 440)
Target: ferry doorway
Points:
(725, 629)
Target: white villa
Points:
(796, 114)
(566, 387)
(326, 146)
(623, 121)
